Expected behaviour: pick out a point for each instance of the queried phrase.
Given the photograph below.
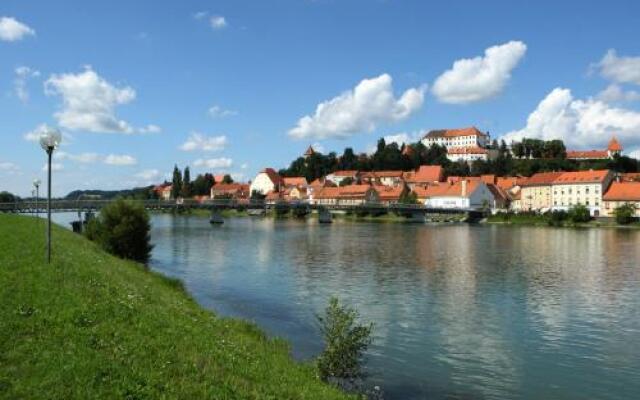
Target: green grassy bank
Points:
(544, 220)
(93, 326)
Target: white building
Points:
(457, 138)
(266, 181)
(581, 188)
(338, 176)
(470, 154)
(464, 194)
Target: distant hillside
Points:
(135, 193)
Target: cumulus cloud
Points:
(34, 135)
(12, 30)
(198, 141)
(23, 74)
(150, 129)
(54, 167)
(213, 163)
(200, 14)
(216, 111)
(115, 159)
(84, 158)
(615, 93)
(217, 22)
(580, 123)
(89, 102)
(620, 69)
(359, 110)
(479, 78)
(148, 174)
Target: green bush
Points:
(579, 214)
(557, 217)
(345, 342)
(122, 229)
(625, 213)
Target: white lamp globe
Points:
(50, 139)
(36, 182)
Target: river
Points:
(460, 311)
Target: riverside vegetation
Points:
(91, 325)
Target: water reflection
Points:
(460, 311)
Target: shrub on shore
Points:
(122, 229)
(345, 343)
(579, 214)
(624, 214)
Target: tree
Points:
(186, 184)
(6, 197)
(122, 228)
(579, 214)
(176, 183)
(345, 342)
(346, 181)
(625, 213)
(227, 179)
(408, 197)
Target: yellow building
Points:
(535, 192)
(619, 194)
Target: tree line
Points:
(525, 159)
(183, 186)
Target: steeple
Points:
(614, 147)
(310, 151)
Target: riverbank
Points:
(93, 325)
(543, 220)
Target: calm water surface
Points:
(460, 311)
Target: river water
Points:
(460, 311)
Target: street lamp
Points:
(49, 140)
(36, 183)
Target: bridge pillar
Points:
(417, 217)
(324, 216)
(216, 217)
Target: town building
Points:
(338, 176)
(349, 195)
(163, 191)
(619, 194)
(389, 195)
(230, 191)
(581, 188)
(462, 194)
(294, 181)
(425, 175)
(536, 192)
(614, 148)
(266, 181)
(457, 138)
(386, 178)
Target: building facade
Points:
(266, 181)
(619, 194)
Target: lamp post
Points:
(36, 183)
(49, 140)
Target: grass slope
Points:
(93, 326)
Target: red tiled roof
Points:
(541, 178)
(623, 191)
(343, 192)
(469, 131)
(310, 151)
(424, 174)
(587, 154)
(488, 179)
(295, 181)
(614, 145)
(388, 174)
(507, 182)
(597, 176)
(467, 150)
(447, 189)
(387, 193)
(631, 176)
(345, 173)
(218, 178)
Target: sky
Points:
(236, 86)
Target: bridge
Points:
(217, 205)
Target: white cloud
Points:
(89, 102)
(620, 69)
(54, 167)
(12, 30)
(198, 141)
(318, 147)
(84, 158)
(580, 123)
(359, 110)
(115, 159)
(200, 14)
(23, 74)
(150, 129)
(216, 111)
(213, 163)
(217, 22)
(479, 78)
(614, 93)
(148, 174)
(8, 166)
(34, 135)
(244, 166)
(403, 137)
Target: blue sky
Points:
(222, 85)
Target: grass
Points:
(93, 326)
(542, 220)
